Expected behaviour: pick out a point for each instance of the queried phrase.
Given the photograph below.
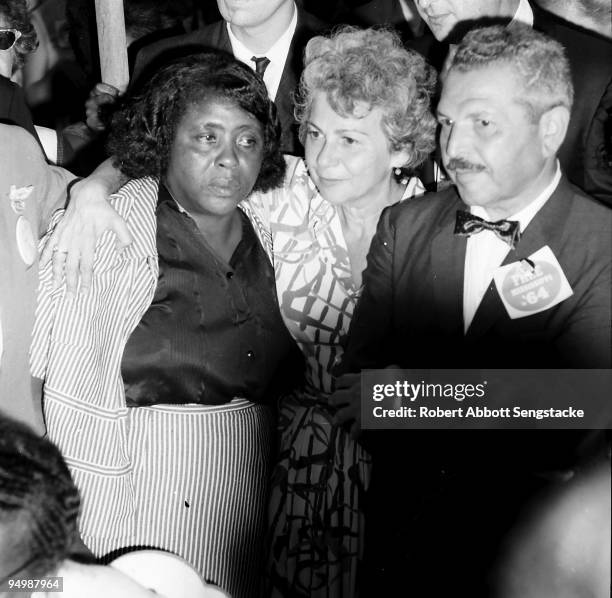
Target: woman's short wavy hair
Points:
(144, 128)
(15, 15)
(354, 66)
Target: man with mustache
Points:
(586, 153)
(502, 120)
(509, 268)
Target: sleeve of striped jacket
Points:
(45, 309)
(51, 300)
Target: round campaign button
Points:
(531, 288)
(25, 241)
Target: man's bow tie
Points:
(507, 230)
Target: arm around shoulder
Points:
(88, 215)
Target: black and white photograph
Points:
(305, 298)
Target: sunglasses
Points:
(8, 37)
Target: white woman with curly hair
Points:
(364, 122)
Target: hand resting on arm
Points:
(72, 244)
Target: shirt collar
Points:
(165, 199)
(526, 214)
(523, 14)
(277, 53)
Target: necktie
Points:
(507, 230)
(261, 63)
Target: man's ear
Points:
(552, 128)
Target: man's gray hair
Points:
(539, 62)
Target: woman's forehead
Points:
(218, 109)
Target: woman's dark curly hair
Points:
(15, 16)
(143, 130)
(39, 502)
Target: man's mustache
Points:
(461, 164)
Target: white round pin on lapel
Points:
(26, 243)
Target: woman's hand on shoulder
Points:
(71, 246)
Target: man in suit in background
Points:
(594, 16)
(448, 285)
(586, 154)
(267, 35)
(30, 190)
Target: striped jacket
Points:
(77, 349)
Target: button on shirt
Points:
(485, 252)
(214, 330)
(277, 55)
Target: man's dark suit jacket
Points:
(411, 310)
(442, 501)
(215, 36)
(586, 153)
(410, 313)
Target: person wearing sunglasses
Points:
(8, 37)
(17, 40)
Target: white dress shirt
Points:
(485, 252)
(277, 55)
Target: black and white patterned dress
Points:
(316, 519)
